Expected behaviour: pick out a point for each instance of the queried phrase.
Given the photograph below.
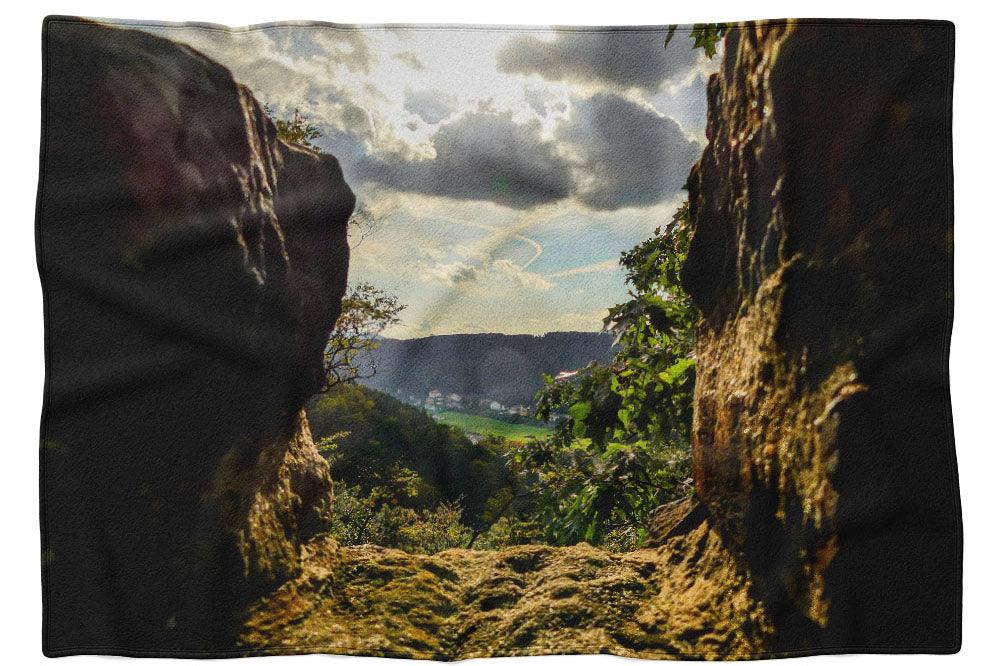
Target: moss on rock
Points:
(686, 597)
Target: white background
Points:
(975, 368)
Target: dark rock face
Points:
(821, 262)
(674, 519)
(193, 266)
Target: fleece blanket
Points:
(442, 341)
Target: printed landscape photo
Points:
(449, 342)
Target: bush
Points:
(510, 531)
(356, 518)
(369, 437)
(622, 446)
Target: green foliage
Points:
(580, 492)
(654, 366)
(485, 425)
(296, 130)
(705, 36)
(510, 531)
(622, 446)
(366, 311)
(619, 449)
(371, 438)
(357, 518)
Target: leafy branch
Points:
(296, 130)
(366, 312)
(706, 36)
(622, 443)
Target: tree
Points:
(622, 446)
(366, 312)
(706, 36)
(362, 225)
(296, 130)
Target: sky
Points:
(507, 168)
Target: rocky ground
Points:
(686, 597)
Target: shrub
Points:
(356, 518)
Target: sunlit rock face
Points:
(686, 597)
(821, 262)
(193, 266)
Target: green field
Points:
(485, 425)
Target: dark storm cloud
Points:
(610, 153)
(629, 59)
(631, 155)
(483, 156)
(430, 105)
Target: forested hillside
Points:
(375, 441)
(492, 366)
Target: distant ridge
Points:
(492, 366)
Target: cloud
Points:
(410, 59)
(622, 59)
(345, 47)
(432, 106)
(609, 153)
(520, 277)
(687, 103)
(492, 203)
(627, 154)
(490, 276)
(536, 99)
(482, 156)
(604, 151)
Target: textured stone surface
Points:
(674, 519)
(821, 263)
(193, 265)
(687, 597)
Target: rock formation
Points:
(821, 262)
(688, 596)
(192, 276)
(193, 266)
